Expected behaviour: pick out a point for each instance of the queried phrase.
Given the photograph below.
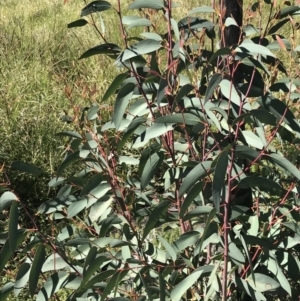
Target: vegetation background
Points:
(44, 86)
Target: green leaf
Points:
(249, 46)
(36, 268)
(6, 199)
(109, 49)
(184, 90)
(283, 163)
(6, 253)
(69, 134)
(198, 211)
(78, 23)
(6, 290)
(76, 207)
(113, 283)
(261, 182)
(121, 103)
(201, 9)
(212, 85)
(168, 248)
(277, 26)
(92, 113)
(153, 4)
(220, 52)
(153, 163)
(95, 6)
(179, 118)
(103, 276)
(246, 152)
(184, 285)
(54, 262)
(89, 261)
(67, 162)
(280, 110)
(54, 283)
(218, 186)
(26, 167)
(151, 35)
(13, 226)
(196, 174)
(191, 196)
(155, 130)
(114, 85)
(135, 21)
(21, 278)
(235, 254)
(130, 130)
(287, 11)
(253, 140)
(229, 91)
(263, 283)
(154, 217)
(185, 240)
(139, 48)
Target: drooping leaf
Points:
(54, 283)
(114, 85)
(168, 248)
(78, 23)
(67, 162)
(201, 9)
(135, 21)
(196, 174)
(109, 49)
(69, 134)
(6, 289)
(249, 46)
(6, 199)
(139, 48)
(253, 140)
(180, 118)
(54, 262)
(123, 98)
(26, 167)
(153, 4)
(184, 285)
(218, 185)
(235, 254)
(150, 168)
(184, 90)
(155, 215)
(261, 182)
(13, 226)
(286, 11)
(191, 196)
(262, 283)
(277, 26)
(212, 85)
(6, 253)
(95, 6)
(21, 278)
(92, 113)
(229, 91)
(36, 268)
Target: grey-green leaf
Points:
(152, 165)
(123, 98)
(184, 285)
(13, 226)
(22, 277)
(153, 4)
(218, 185)
(78, 23)
(95, 6)
(6, 199)
(26, 167)
(262, 283)
(114, 85)
(36, 268)
(197, 173)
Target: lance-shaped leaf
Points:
(155, 215)
(168, 248)
(153, 164)
(78, 23)
(212, 85)
(13, 226)
(22, 277)
(6, 289)
(202, 9)
(123, 98)
(95, 6)
(118, 80)
(262, 283)
(261, 182)
(36, 268)
(252, 48)
(54, 262)
(219, 178)
(153, 4)
(184, 285)
(197, 173)
(6, 199)
(139, 48)
(26, 167)
(229, 91)
(180, 118)
(135, 21)
(109, 49)
(67, 162)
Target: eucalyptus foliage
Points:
(192, 149)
